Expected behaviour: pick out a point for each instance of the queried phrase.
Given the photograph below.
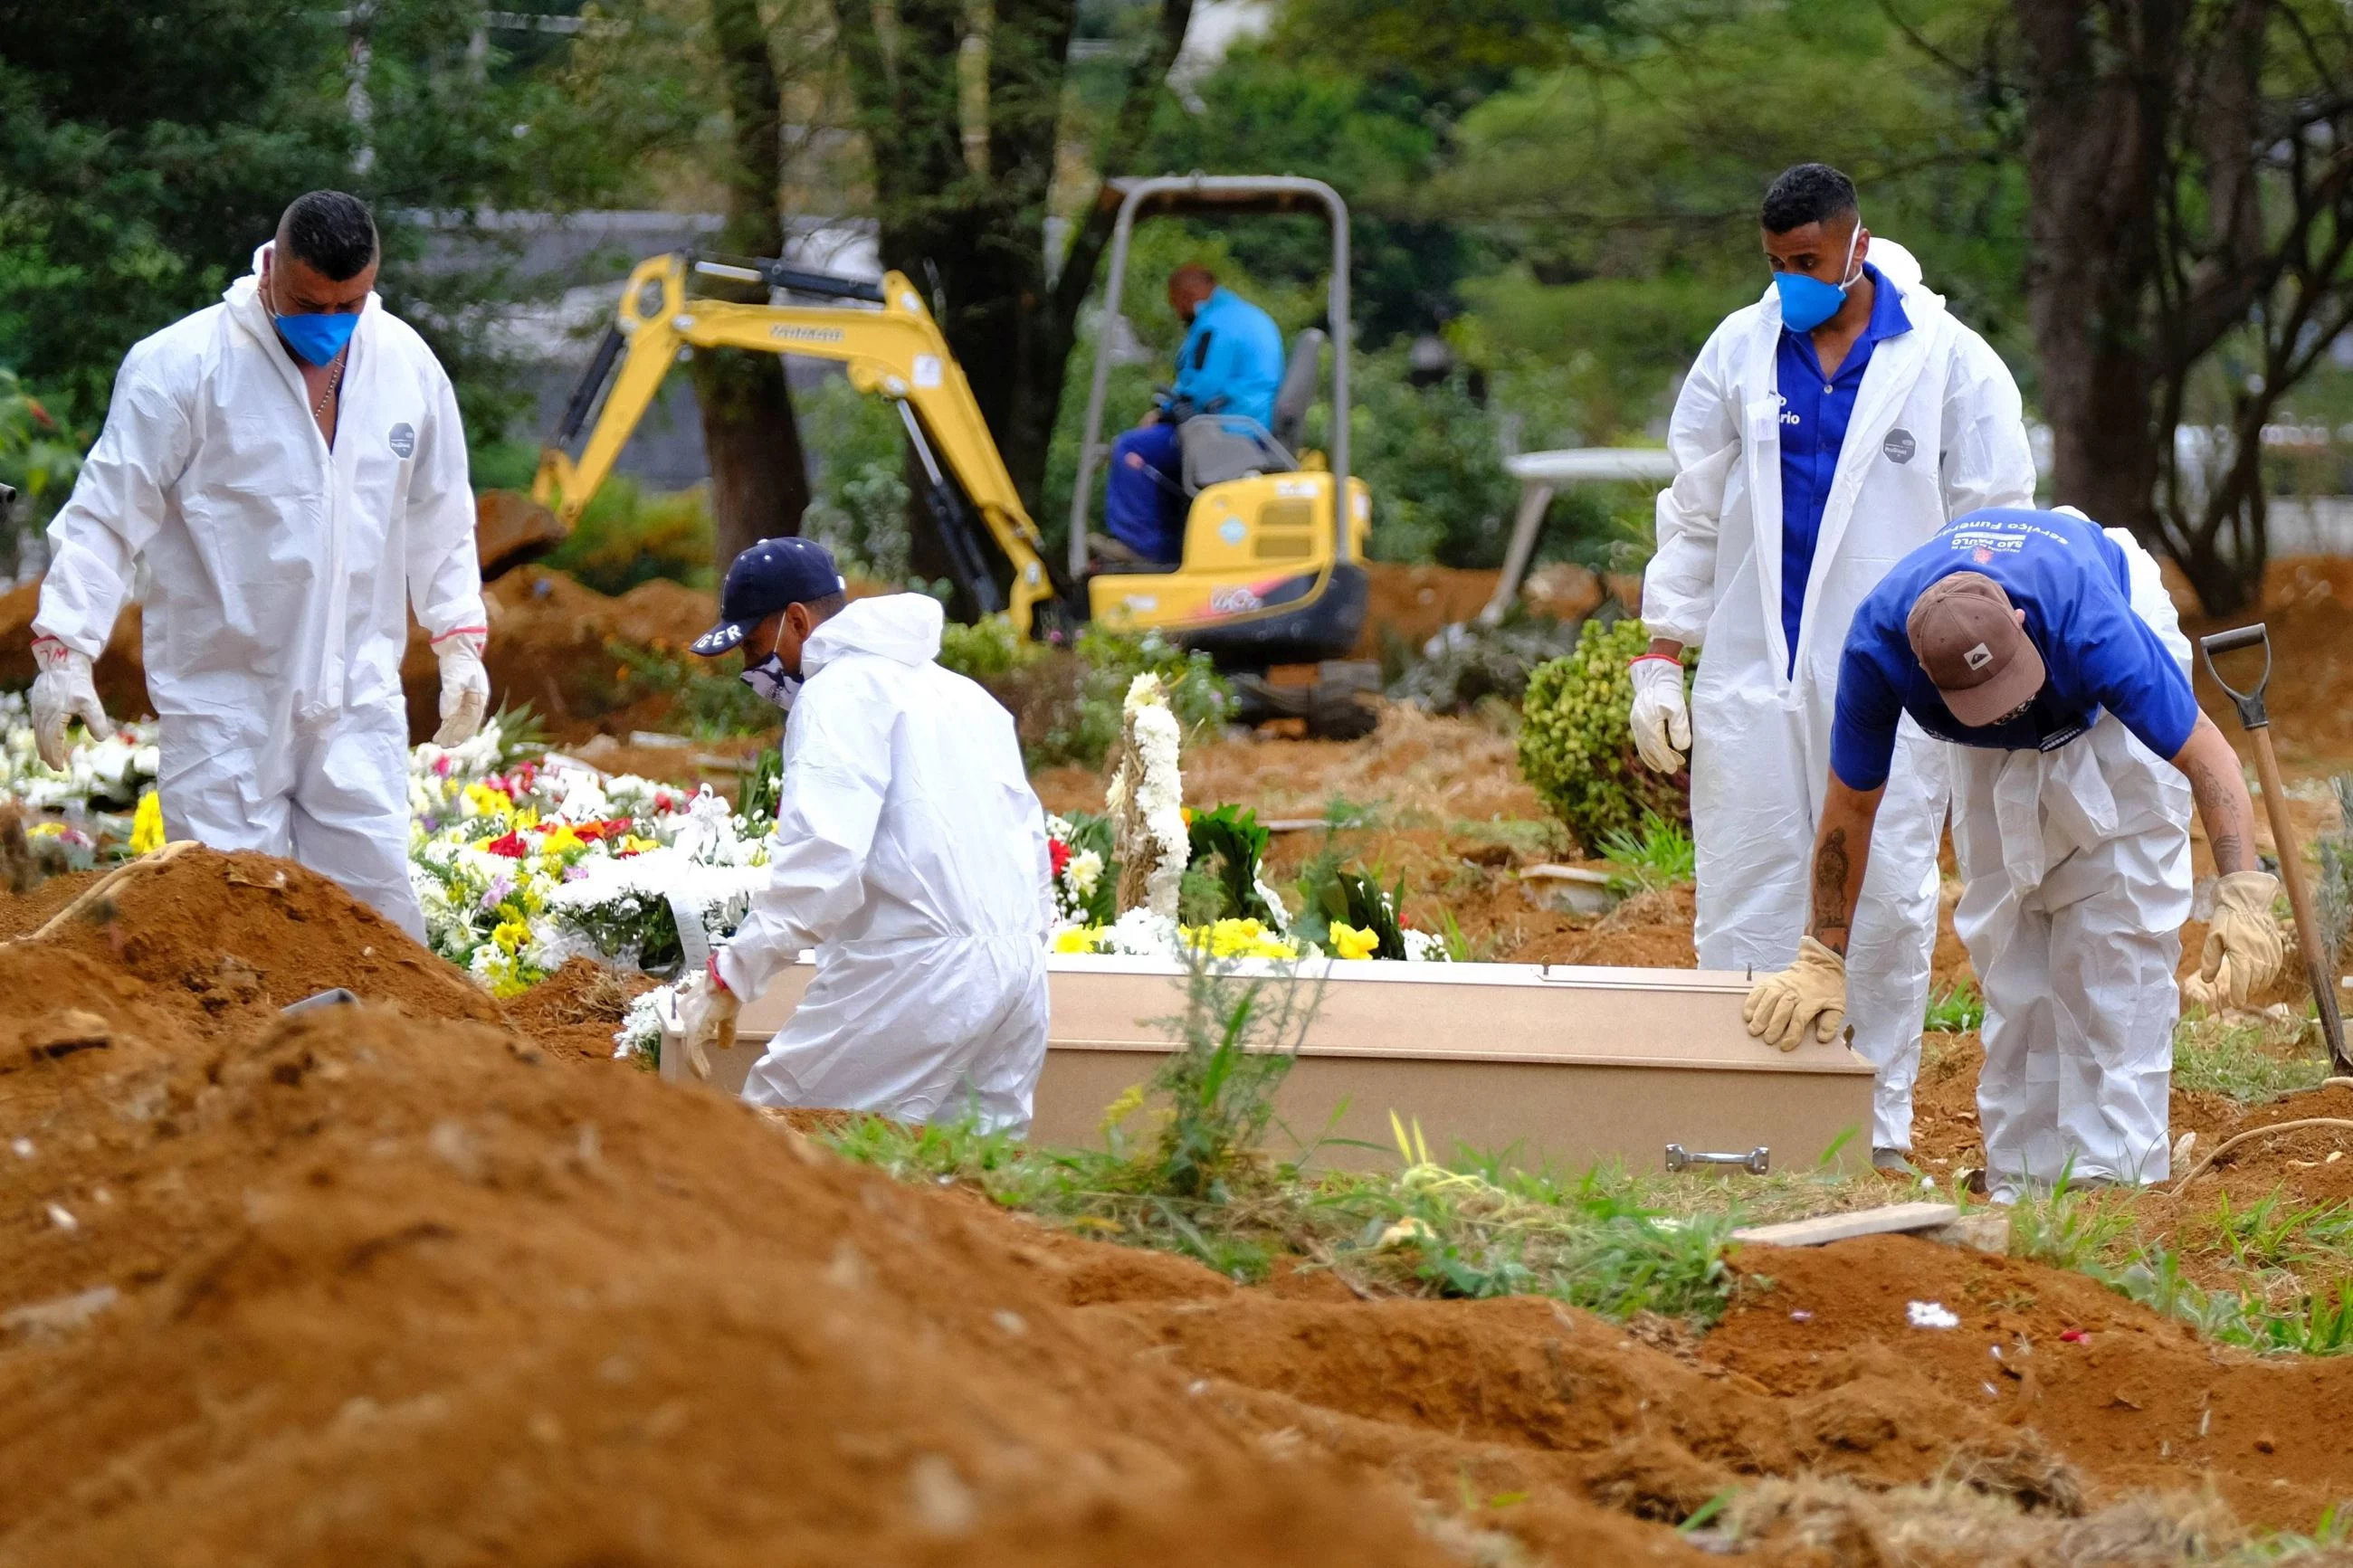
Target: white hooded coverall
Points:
(282, 577)
(1937, 432)
(911, 852)
(2076, 866)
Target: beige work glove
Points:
(2244, 950)
(465, 687)
(63, 691)
(1661, 722)
(1811, 991)
(706, 1015)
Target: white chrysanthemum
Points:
(1425, 947)
(1142, 933)
(640, 1029)
(1083, 871)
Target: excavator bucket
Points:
(511, 530)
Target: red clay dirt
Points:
(2135, 1403)
(397, 1283)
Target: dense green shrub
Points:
(629, 534)
(1576, 749)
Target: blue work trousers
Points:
(1144, 499)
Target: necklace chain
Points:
(334, 380)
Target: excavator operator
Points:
(1230, 363)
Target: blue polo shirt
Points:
(2074, 583)
(1231, 361)
(1815, 412)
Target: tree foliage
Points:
(145, 152)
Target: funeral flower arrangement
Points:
(523, 864)
(93, 804)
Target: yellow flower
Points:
(561, 840)
(51, 829)
(511, 935)
(1078, 939)
(147, 825)
(1236, 939)
(1348, 942)
(484, 801)
(632, 841)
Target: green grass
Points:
(2250, 1063)
(1186, 1168)
(2293, 1266)
(1956, 1012)
(1660, 854)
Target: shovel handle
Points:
(2252, 712)
(2320, 970)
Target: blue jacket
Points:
(1231, 361)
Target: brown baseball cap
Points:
(1965, 634)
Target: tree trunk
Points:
(978, 239)
(2097, 82)
(759, 476)
(759, 484)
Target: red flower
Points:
(511, 846)
(1059, 853)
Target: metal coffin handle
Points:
(1756, 1161)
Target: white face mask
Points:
(769, 680)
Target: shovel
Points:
(2318, 969)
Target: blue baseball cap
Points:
(765, 578)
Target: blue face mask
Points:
(1808, 302)
(318, 339)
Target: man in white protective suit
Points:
(289, 465)
(2047, 650)
(909, 851)
(1823, 432)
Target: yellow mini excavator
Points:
(1270, 584)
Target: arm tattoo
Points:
(1830, 867)
(2225, 832)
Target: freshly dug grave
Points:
(393, 1283)
(368, 1285)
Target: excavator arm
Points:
(882, 333)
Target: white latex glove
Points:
(706, 1014)
(1810, 991)
(2244, 950)
(63, 691)
(465, 688)
(1660, 721)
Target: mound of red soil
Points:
(226, 941)
(2135, 1402)
(574, 1012)
(1410, 605)
(353, 1288)
(386, 1283)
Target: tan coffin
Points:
(1553, 1066)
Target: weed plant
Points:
(1659, 854)
(2252, 1063)
(1956, 1012)
(2296, 1264)
(1184, 1168)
